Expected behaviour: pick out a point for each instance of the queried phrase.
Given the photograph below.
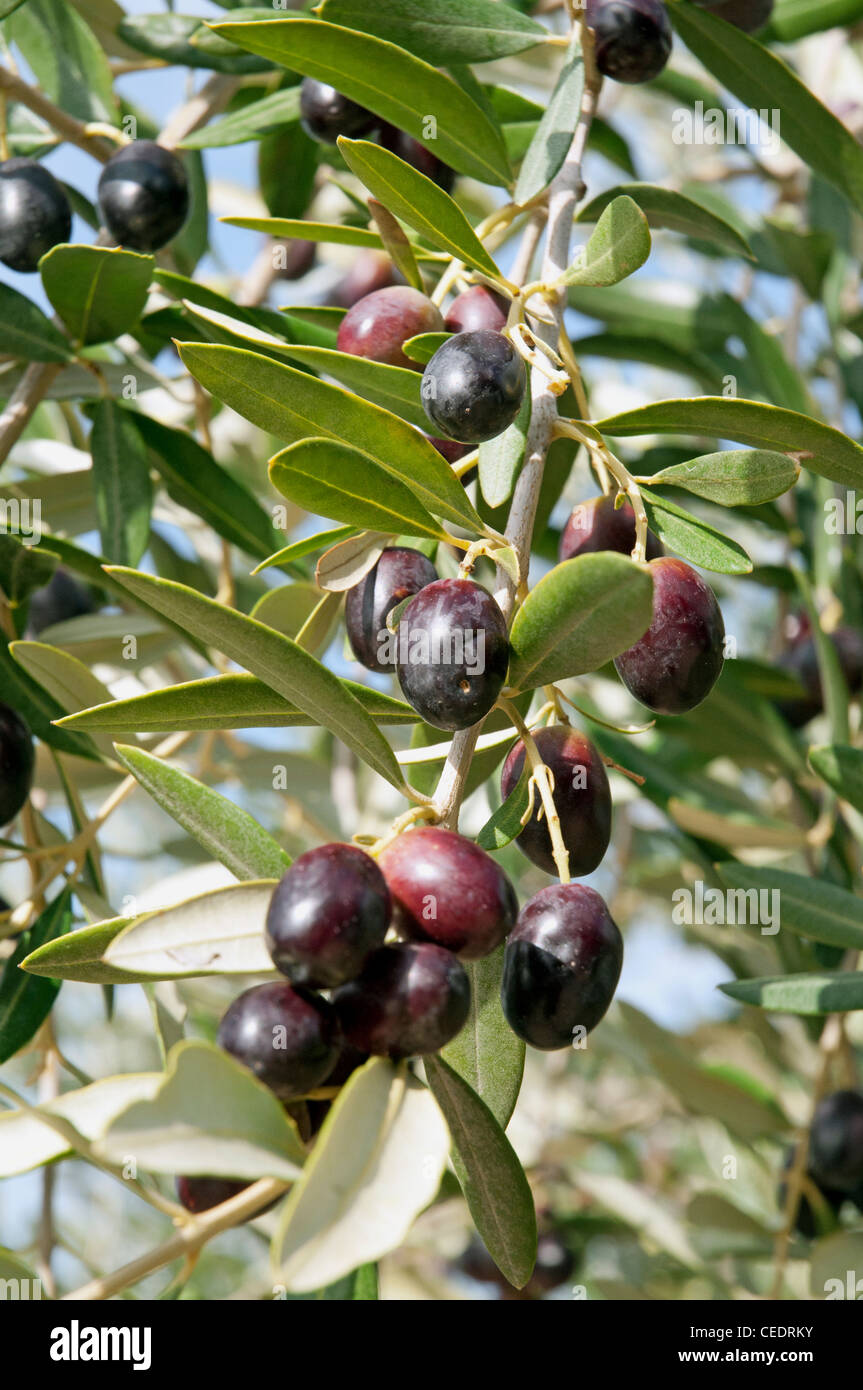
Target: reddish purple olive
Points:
(377, 326)
(582, 798)
(288, 1037)
(446, 889)
(561, 966)
(34, 214)
(633, 38)
(478, 308)
(450, 448)
(144, 196)
(453, 653)
(17, 758)
(410, 1000)
(298, 258)
(473, 386)
(598, 525)
(748, 15)
(371, 271)
(677, 662)
(326, 113)
(399, 573)
(419, 156)
(328, 912)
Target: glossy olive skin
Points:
(292, 1061)
(400, 572)
(802, 661)
(598, 525)
(748, 15)
(453, 653)
(17, 757)
(836, 1142)
(582, 798)
(677, 662)
(477, 309)
(473, 386)
(328, 912)
(561, 965)
(144, 196)
(446, 889)
(633, 38)
(419, 156)
(325, 114)
(410, 1000)
(34, 214)
(370, 271)
(377, 326)
(61, 599)
(451, 450)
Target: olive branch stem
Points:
(554, 217)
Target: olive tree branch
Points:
(187, 1241)
(69, 127)
(565, 193)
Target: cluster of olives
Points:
(143, 202)
(634, 38)
(326, 113)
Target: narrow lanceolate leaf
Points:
(491, 1177)
(418, 201)
(121, 483)
(822, 992)
(249, 123)
(808, 907)
(388, 81)
(486, 1053)
(333, 480)
(293, 405)
(553, 136)
(209, 1115)
(735, 478)
(78, 956)
(277, 661)
(194, 480)
(396, 244)
(38, 707)
(693, 538)
(580, 615)
(764, 82)
(98, 291)
(25, 1001)
(393, 388)
(224, 702)
(26, 1142)
(673, 211)
(28, 333)
(226, 831)
(449, 31)
(619, 244)
(501, 459)
(68, 680)
(289, 228)
(502, 827)
(376, 1164)
(817, 446)
(309, 545)
(841, 767)
(216, 933)
(794, 19)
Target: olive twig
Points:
(542, 779)
(596, 446)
